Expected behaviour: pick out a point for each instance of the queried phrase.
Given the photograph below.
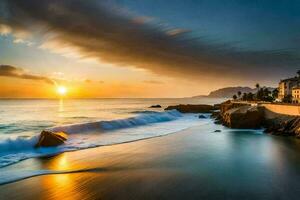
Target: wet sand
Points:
(178, 166)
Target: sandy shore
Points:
(169, 167)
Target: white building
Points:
(296, 94)
(286, 86)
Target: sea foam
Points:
(94, 134)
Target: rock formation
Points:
(50, 139)
(287, 126)
(236, 115)
(155, 106)
(190, 108)
(246, 116)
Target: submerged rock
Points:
(190, 108)
(50, 139)
(217, 131)
(155, 106)
(201, 117)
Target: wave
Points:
(101, 133)
(144, 112)
(142, 119)
(19, 143)
(23, 143)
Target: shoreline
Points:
(76, 152)
(191, 164)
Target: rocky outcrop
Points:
(50, 139)
(287, 126)
(190, 108)
(243, 117)
(227, 105)
(219, 115)
(155, 106)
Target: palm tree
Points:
(257, 92)
(257, 86)
(239, 93)
(234, 97)
(275, 93)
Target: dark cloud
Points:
(11, 71)
(105, 31)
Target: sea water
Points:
(88, 122)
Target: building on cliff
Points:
(296, 94)
(286, 86)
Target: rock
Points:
(243, 117)
(50, 139)
(288, 126)
(217, 106)
(190, 108)
(202, 117)
(155, 106)
(215, 115)
(227, 105)
(217, 131)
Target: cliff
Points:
(236, 115)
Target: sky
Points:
(145, 48)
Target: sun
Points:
(62, 90)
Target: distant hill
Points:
(228, 92)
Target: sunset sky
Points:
(146, 48)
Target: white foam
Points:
(88, 135)
(142, 119)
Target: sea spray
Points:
(94, 134)
(139, 120)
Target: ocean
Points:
(88, 122)
(185, 158)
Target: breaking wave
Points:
(93, 134)
(142, 119)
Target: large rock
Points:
(243, 117)
(50, 139)
(286, 126)
(227, 105)
(190, 108)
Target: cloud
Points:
(152, 82)
(142, 19)
(97, 29)
(4, 29)
(176, 32)
(22, 41)
(11, 71)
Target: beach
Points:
(196, 163)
